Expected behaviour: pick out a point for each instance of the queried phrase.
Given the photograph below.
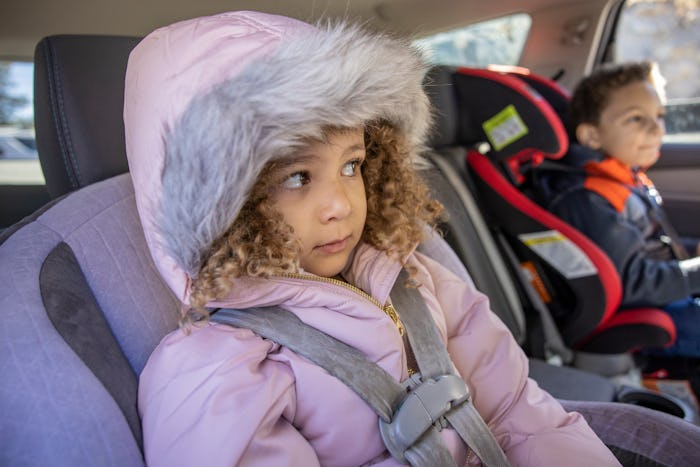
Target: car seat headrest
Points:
(550, 90)
(78, 107)
(449, 128)
(476, 106)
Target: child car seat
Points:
(83, 307)
(508, 129)
(555, 95)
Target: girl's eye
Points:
(296, 180)
(351, 168)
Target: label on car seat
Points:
(560, 252)
(504, 128)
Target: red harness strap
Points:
(612, 180)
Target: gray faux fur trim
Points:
(342, 75)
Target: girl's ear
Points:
(587, 134)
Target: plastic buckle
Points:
(424, 405)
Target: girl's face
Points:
(631, 126)
(321, 194)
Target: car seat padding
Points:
(76, 315)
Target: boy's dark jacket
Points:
(618, 209)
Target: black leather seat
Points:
(79, 132)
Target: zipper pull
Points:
(391, 313)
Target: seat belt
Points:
(434, 362)
(657, 213)
(410, 414)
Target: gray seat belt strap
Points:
(413, 435)
(434, 361)
(431, 355)
(341, 360)
(370, 381)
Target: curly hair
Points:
(398, 209)
(593, 92)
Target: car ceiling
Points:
(24, 22)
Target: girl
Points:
(272, 164)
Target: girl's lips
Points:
(334, 246)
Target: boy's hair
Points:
(593, 92)
(398, 209)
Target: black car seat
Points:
(505, 129)
(555, 95)
(74, 117)
(83, 307)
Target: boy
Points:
(616, 120)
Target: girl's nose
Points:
(335, 204)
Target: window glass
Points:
(499, 41)
(667, 32)
(19, 164)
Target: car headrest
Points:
(475, 106)
(78, 108)
(550, 90)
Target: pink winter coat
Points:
(223, 396)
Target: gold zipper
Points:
(388, 309)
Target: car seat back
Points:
(83, 307)
(507, 130)
(466, 232)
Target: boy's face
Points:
(321, 194)
(631, 126)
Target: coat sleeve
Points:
(213, 398)
(530, 425)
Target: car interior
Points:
(84, 306)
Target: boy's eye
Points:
(296, 180)
(351, 168)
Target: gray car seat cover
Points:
(639, 436)
(54, 410)
(77, 317)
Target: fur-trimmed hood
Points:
(209, 101)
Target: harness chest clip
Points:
(424, 406)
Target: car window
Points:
(19, 164)
(497, 41)
(667, 32)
